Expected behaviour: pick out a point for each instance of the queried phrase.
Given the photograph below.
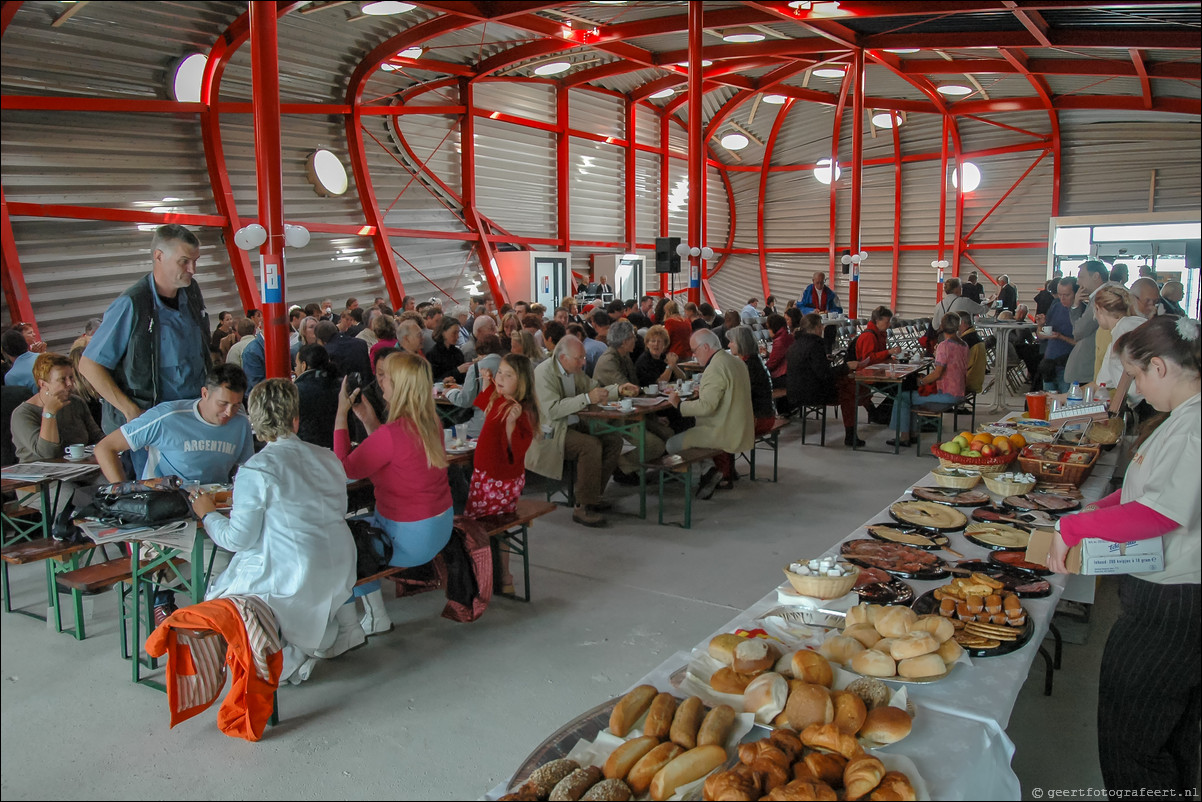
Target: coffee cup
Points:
(686, 388)
(627, 404)
(76, 451)
(1048, 330)
(651, 389)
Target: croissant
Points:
(787, 742)
(749, 753)
(894, 787)
(772, 773)
(805, 790)
(730, 786)
(861, 775)
(824, 767)
(832, 739)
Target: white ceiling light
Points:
(704, 63)
(972, 176)
(830, 72)
(953, 90)
(186, 78)
(412, 52)
(901, 51)
(553, 68)
(662, 93)
(742, 35)
(822, 171)
(775, 100)
(734, 141)
(383, 9)
(326, 173)
(886, 119)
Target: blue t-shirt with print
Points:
(180, 442)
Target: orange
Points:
(1017, 440)
(967, 435)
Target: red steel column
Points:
(563, 169)
(631, 170)
(696, 150)
(467, 172)
(16, 295)
(265, 102)
(942, 201)
(857, 173)
(665, 178)
(897, 208)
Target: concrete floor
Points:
(438, 710)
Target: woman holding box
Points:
(1149, 689)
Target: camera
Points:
(354, 381)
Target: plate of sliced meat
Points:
(951, 496)
(907, 535)
(894, 558)
(1018, 559)
(928, 514)
(1046, 502)
(997, 537)
(1014, 579)
(879, 587)
(1002, 515)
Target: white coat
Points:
(292, 547)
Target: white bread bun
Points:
(784, 665)
(942, 628)
(857, 615)
(913, 645)
(872, 663)
(884, 645)
(864, 633)
(809, 704)
(754, 656)
(928, 665)
(893, 622)
(873, 611)
(840, 649)
(950, 651)
(722, 647)
(850, 711)
(886, 725)
(812, 667)
(766, 696)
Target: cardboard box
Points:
(1095, 557)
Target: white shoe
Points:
(375, 618)
(350, 634)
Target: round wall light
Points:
(742, 37)
(775, 100)
(326, 173)
(186, 78)
(901, 51)
(734, 141)
(553, 68)
(822, 171)
(412, 52)
(663, 93)
(953, 90)
(972, 176)
(887, 119)
(383, 9)
(830, 72)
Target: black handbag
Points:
(133, 503)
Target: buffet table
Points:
(958, 743)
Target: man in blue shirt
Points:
(16, 349)
(153, 344)
(254, 361)
(819, 298)
(1060, 339)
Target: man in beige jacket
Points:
(722, 409)
(562, 390)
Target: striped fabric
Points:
(261, 630)
(1149, 689)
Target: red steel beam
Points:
(1183, 70)
(836, 134)
(7, 11)
(563, 169)
(1005, 195)
(1145, 85)
(942, 203)
(763, 191)
(467, 171)
(1076, 38)
(958, 221)
(665, 178)
(16, 294)
(68, 212)
(1019, 60)
(1032, 20)
(857, 176)
(696, 150)
(897, 213)
(629, 114)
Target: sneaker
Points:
(587, 517)
(709, 483)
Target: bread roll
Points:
(629, 708)
(913, 645)
(950, 651)
(872, 692)
(715, 727)
(872, 663)
(686, 768)
(782, 719)
(884, 645)
(857, 615)
(572, 787)
(544, 779)
(687, 722)
(850, 711)
(862, 775)
(607, 791)
(784, 665)
(622, 759)
(830, 738)
(809, 704)
(754, 656)
(727, 680)
(893, 622)
(766, 696)
(659, 716)
(928, 665)
(864, 633)
(886, 725)
(937, 625)
(649, 764)
(722, 647)
(840, 649)
(812, 667)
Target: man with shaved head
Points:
(819, 298)
(1145, 295)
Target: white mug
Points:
(651, 389)
(686, 388)
(1048, 330)
(76, 451)
(627, 404)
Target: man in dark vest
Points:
(152, 345)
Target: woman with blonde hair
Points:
(522, 342)
(679, 330)
(405, 459)
(1113, 307)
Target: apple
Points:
(987, 450)
(951, 447)
(961, 441)
(1002, 445)
(970, 453)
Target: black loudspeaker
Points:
(667, 260)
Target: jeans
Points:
(907, 399)
(414, 543)
(1058, 384)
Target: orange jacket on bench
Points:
(195, 674)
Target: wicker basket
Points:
(1050, 467)
(824, 587)
(955, 481)
(1001, 487)
(985, 465)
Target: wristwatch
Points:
(47, 415)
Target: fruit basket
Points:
(985, 465)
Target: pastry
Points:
(754, 656)
(840, 649)
(864, 633)
(913, 645)
(950, 651)
(894, 786)
(722, 647)
(873, 692)
(766, 696)
(893, 622)
(547, 776)
(928, 665)
(872, 663)
(572, 787)
(788, 742)
(825, 767)
(938, 626)
(861, 775)
(730, 786)
(727, 680)
(802, 790)
(830, 738)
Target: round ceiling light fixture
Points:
(704, 63)
(383, 9)
(830, 72)
(953, 90)
(412, 52)
(972, 176)
(186, 78)
(775, 100)
(553, 68)
(901, 51)
(326, 173)
(742, 36)
(663, 93)
(822, 171)
(734, 141)
(887, 119)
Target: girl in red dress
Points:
(510, 423)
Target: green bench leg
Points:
(688, 496)
(661, 497)
(776, 453)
